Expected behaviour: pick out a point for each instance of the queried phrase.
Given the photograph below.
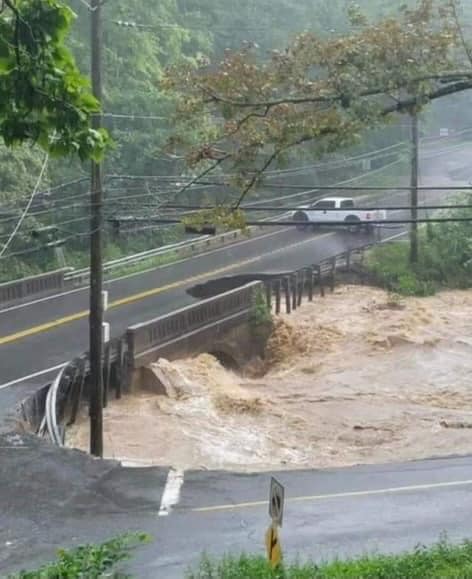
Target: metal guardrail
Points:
(57, 280)
(146, 337)
(82, 274)
(22, 288)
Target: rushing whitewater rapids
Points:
(357, 377)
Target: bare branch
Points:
(302, 139)
(202, 174)
(256, 176)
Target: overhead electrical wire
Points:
(28, 205)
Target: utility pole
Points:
(414, 187)
(96, 224)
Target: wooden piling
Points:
(277, 296)
(286, 285)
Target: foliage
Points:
(444, 259)
(322, 91)
(220, 217)
(442, 560)
(389, 266)
(43, 97)
(88, 561)
(260, 316)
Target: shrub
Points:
(88, 561)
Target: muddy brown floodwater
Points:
(357, 377)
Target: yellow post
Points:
(274, 549)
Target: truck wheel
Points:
(354, 223)
(301, 216)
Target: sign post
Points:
(276, 512)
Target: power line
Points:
(159, 220)
(28, 205)
(132, 116)
(166, 26)
(372, 209)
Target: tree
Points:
(324, 92)
(44, 99)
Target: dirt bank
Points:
(358, 377)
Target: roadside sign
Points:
(276, 502)
(274, 550)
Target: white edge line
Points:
(137, 273)
(35, 375)
(171, 494)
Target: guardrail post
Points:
(69, 401)
(77, 396)
(277, 296)
(294, 291)
(310, 283)
(301, 286)
(268, 290)
(288, 305)
(129, 360)
(332, 276)
(66, 386)
(348, 260)
(320, 280)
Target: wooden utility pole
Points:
(96, 224)
(414, 187)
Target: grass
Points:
(88, 561)
(145, 264)
(442, 561)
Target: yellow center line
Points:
(142, 295)
(350, 494)
(117, 303)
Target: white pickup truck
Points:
(333, 210)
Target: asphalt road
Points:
(65, 498)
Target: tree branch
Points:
(302, 139)
(202, 174)
(333, 97)
(405, 104)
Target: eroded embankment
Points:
(356, 377)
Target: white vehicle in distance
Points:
(332, 210)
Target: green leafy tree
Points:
(43, 98)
